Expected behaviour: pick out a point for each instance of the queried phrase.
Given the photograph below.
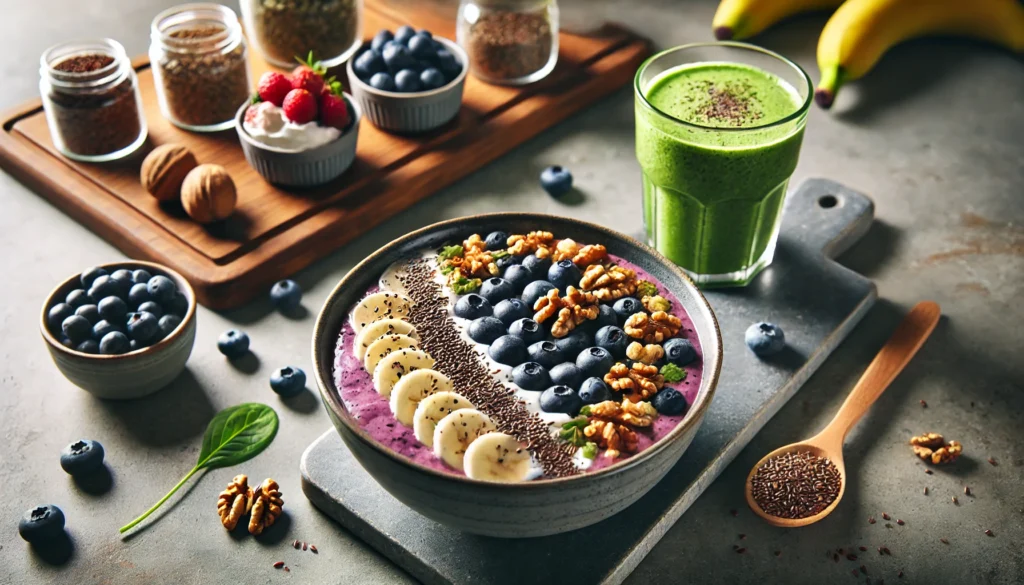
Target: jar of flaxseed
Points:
(200, 66)
(509, 42)
(284, 30)
(91, 98)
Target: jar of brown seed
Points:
(91, 98)
(285, 29)
(200, 66)
(509, 42)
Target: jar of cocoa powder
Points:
(285, 29)
(509, 42)
(91, 98)
(200, 66)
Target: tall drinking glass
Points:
(718, 133)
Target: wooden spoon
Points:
(890, 361)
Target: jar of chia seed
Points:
(91, 98)
(509, 42)
(200, 66)
(285, 29)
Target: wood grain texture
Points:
(274, 232)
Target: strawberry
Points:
(299, 106)
(309, 75)
(333, 111)
(273, 87)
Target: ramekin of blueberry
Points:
(408, 81)
(121, 330)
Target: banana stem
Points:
(828, 86)
(146, 514)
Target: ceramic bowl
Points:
(306, 168)
(534, 508)
(132, 374)
(411, 112)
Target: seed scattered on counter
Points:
(944, 541)
(295, 544)
(992, 461)
(871, 519)
(313, 548)
(742, 536)
(287, 570)
(880, 551)
(885, 516)
(900, 574)
(278, 564)
(778, 553)
(886, 550)
(928, 471)
(900, 522)
(851, 557)
(924, 404)
(926, 490)
(863, 548)
(989, 532)
(741, 550)
(956, 502)
(863, 569)
(304, 545)
(967, 490)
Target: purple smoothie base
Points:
(373, 411)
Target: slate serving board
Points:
(816, 302)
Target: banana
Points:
(379, 305)
(741, 19)
(432, 409)
(384, 347)
(455, 432)
(412, 388)
(378, 329)
(392, 367)
(497, 457)
(861, 31)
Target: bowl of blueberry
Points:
(408, 81)
(121, 330)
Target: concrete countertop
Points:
(935, 135)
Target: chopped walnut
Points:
(929, 440)
(647, 354)
(590, 254)
(656, 303)
(475, 262)
(932, 447)
(565, 250)
(610, 422)
(608, 283)
(636, 414)
(538, 243)
(639, 380)
(571, 310)
(235, 501)
(653, 328)
(267, 507)
(613, 438)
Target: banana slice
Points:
(378, 329)
(380, 305)
(432, 409)
(412, 388)
(497, 457)
(455, 432)
(393, 367)
(384, 347)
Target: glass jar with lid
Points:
(285, 29)
(509, 42)
(200, 66)
(91, 98)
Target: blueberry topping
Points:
(679, 351)
(669, 401)
(626, 307)
(486, 329)
(496, 290)
(564, 274)
(114, 343)
(531, 376)
(508, 350)
(168, 323)
(90, 312)
(286, 294)
(41, 524)
(535, 290)
(526, 329)
(151, 307)
(113, 309)
(76, 328)
(605, 317)
(765, 339)
(560, 398)
(288, 381)
(544, 353)
(519, 276)
(538, 267)
(233, 343)
(56, 315)
(507, 261)
(138, 294)
(572, 344)
(594, 390)
(511, 310)
(556, 180)
(613, 339)
(161, 288)
(90, 276)
(143, 327)
(141, 276)
(82, 457)
(79, 297)
(595, 362)
(496, 241)
(566, 375)
(473, 306)
(383, 82)
(88, 346)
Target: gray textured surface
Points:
(935, 135)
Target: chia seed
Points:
(507, 45)
(286, 29)
(796, 485)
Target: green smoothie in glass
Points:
(718, 133)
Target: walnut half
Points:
(610, 424)
(639, 380)
(267, 507)
(653, 328)
(235, 501)
(608, 283)
(932, 447)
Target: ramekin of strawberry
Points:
(299, 129)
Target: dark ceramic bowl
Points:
(534, 508)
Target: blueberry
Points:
(90, 312)
(177, 306)
(168, 323)
(612, 339)
(572, 344)
(367, 64)
(113, 309)
(526, 329)
(509, 350)
(447, 63)
(424, 33)
(124, 280)
(560, 398)
(404, 33)
(88, 346)
(556, 180)
(486, 329)
(765, 339)
(605, 317)
(66, 342)
(422, 47)
(134, 345)
(233, 343)
(114, 343)
(82, 457)
(138, 294)
(538, 267)
(79, 297)
(594, 390)
(626, 307)
(56, 315)
(496, 241)
(286, 294)
(511, 310)
(41, 524)
(531, 376)
(535, 290)
(496, 290)
(519, 276)
(161, 288)
(382, 36)
(669, 401)
(595, 362)
(141, 276)
(143, 327)
(566, 375)
(288, 381)
(507, 261)
(397, 58)
(431, 78)
(473, 306)
(545, 353)
(90, 276)
(151, 307)
(100, 330)
(383, 82)
(563, 274)
(104, 286)
(679, 351)
(77, 328)
(408, 81)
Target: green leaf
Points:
(499, 254)
(447, 269)
(235, 434)
(590, 450)
(449, 252)
(576, 422)
(464, 285)
(673, 373)
(585, 411)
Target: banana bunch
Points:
(861, 31)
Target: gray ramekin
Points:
(411, 112)
(306, 168)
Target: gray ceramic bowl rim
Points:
(452, 46)
(55, 343)
(693, 417)
(244, 135)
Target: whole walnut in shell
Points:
(164, 170)
(208, 193)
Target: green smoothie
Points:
(717, 152)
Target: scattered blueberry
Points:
(408, 81)
(114, 343)
(233, 343)
(560, 398)
(496, 290)
(82, 457)
(138, 294)
(141, 276)
(41, 524)
(594, 390)
(124, 280)
(286, 294)
(104, 286)
(595, 362)
(369, 63)
(288, 381)
(90, 312)
(679, 351)
(511, 310)
(79, 297)
(545, 353)
(526, 329)
(76, 328)
(178, 305)
(507, 262)
(765, 339)
(161, 288)
(538, 267)
(397, 58)
(535, 290)
(509, 350)
(572, 344)
(143, 327)
(519, 276)
(90, 276)
(404, 34)
(113, 309)
(556, 180)
(531, 376)
(383, 82)
(151, 307)
(473, 306)
(100, 330)
(626, 307)
(380, 38)
(612, 339)
(669, 401)
(564, 274)
(88, 346)
(56, 315)
(486, 329)
(422, 47)
(496, 241)
(566, 375)
(168, 323)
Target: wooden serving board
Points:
(275, 232)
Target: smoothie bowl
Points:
(516, 374)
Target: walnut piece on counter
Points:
(235, 501)
(575, 308)
(647, 354)
(639, 380)
(929, 440)
(932, 447)
(610, 422)
(267, 507)
(608, 283)
(536, 242)
(653, 328)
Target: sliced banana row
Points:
(378, 306)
